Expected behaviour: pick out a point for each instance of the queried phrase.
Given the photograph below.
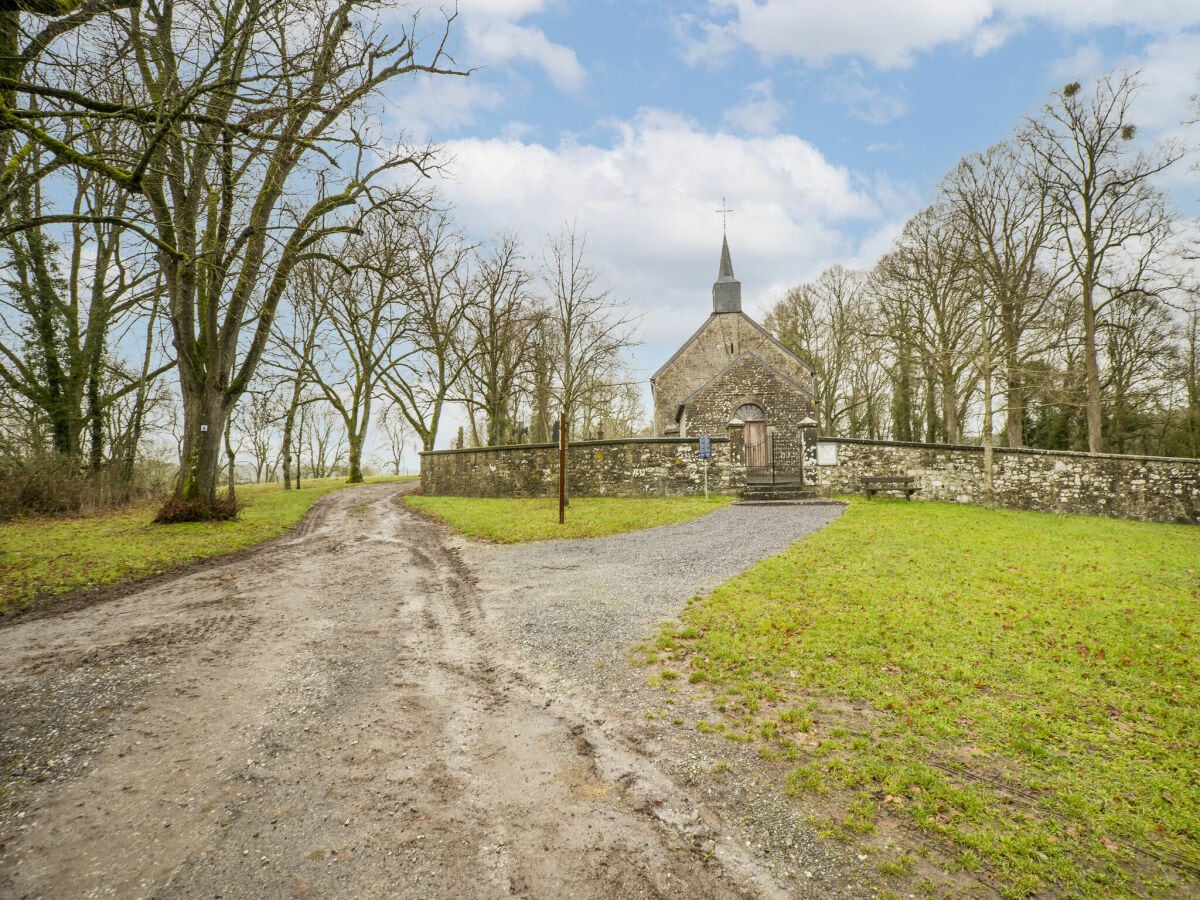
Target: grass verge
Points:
(42, 558)
(509, 521)
(1020, 690)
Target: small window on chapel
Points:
(750, 412)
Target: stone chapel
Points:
(732, 374)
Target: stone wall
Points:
(1155, 489)
(634, 467)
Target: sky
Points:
(822, 124)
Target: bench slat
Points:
(873, 484)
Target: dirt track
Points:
(329, 716)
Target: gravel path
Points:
(582, 603)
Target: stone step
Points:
(808, 501)
(755, 492)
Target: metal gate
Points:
(772, 458)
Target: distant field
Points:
(1018, 691)
(42, 558)
(509, 521)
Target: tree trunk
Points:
(988, 453)
(204, 416)
(1014, 425)
(289, 423)
(231, 456)
(1014, 421)
(1094, 420)
(354, 460)
(933, 424)
(950, 410)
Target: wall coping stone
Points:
(607, 442)
(1028, 451)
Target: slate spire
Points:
(727, 290)
(726, 271)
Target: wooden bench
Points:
(873, 484)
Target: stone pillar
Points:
(737, 442)
(808, 450)
(737, 454)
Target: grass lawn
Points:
(508, 521)
(42, 557)
(1017, 692)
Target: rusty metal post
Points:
(562, 466)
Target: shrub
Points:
(175, 510)
(53, 484)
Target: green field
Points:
(536, 519)
(42, 558)
(1016, 693)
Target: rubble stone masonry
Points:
(1154, 489)
(634, 467)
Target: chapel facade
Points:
(733, 374)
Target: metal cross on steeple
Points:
(723, 211)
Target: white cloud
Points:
(433, 105)
(494, 38)
(850, 90)
(649, 202)
(1086, 62)
(494, 41)
(501, 9)
(1170, 73)
(1144, 15)
(889, 33)
(883, 31)
(703, 43)
(759, 114)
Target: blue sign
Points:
(705, 447)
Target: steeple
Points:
(727, 290)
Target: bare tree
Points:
(38, 112)
(928, 308)
(289, 358)
(538, 388)
(324, 438)
(396, 437)
(1110, 222)
(589, 329)
(437, 300)
(827, 323)
(1003, 216)
(1188, 433)
(255, 419)
(611, 406)
(1141, 350)
(498, 326)
(357, 304)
